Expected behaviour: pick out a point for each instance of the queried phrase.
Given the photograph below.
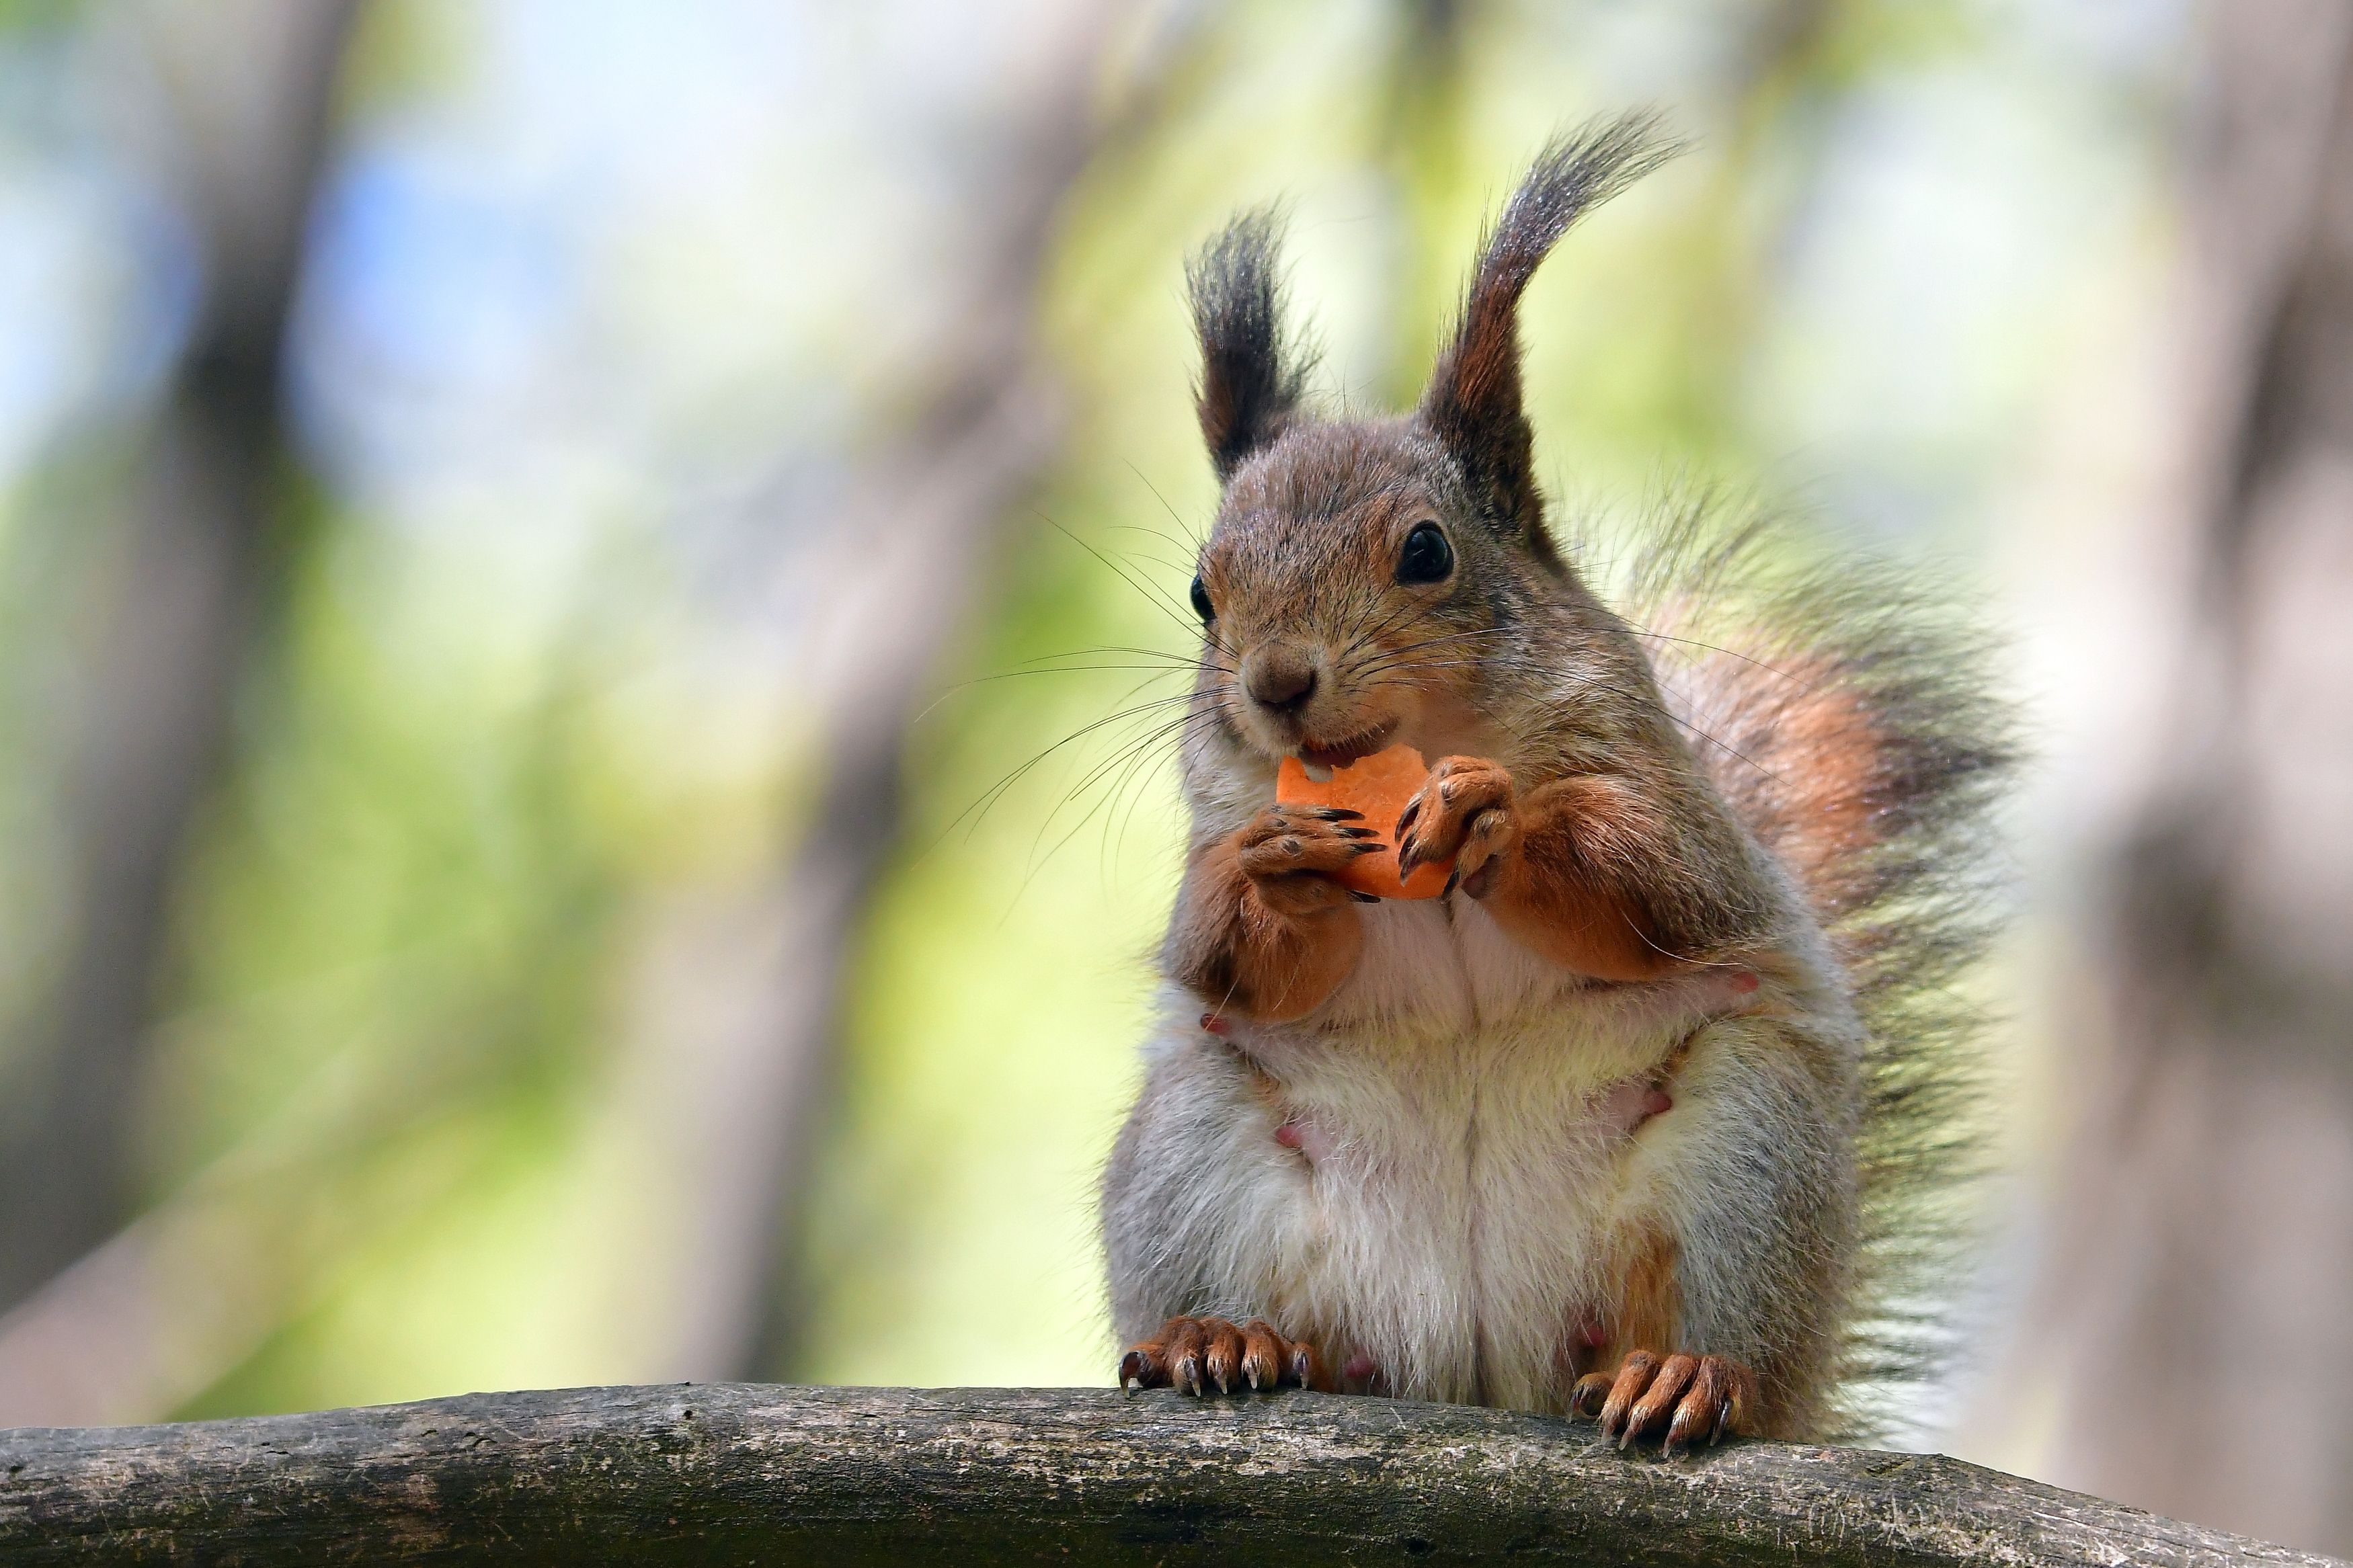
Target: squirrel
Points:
(1655, 1117)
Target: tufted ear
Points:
(1473, 405)
(1251, 372)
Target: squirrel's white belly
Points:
(1456, 1133)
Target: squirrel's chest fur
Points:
(1440, 1173)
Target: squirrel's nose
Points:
(1280, 675)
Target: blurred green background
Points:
(587, 932)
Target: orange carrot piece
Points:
(1379, 786)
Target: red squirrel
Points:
(1649, 1118)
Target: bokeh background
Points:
(580, 584)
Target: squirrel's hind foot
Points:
(1205, 1355)
(1685, 1397)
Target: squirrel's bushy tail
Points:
(1850, 720)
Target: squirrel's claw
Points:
(1464, 813)
(1293, 857)
(1198, 1355)
(1675, 1399)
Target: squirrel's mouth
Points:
(1341, 752)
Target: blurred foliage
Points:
(25, 16)
(591, 295)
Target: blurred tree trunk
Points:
(748, 1000)
(2196, 1326)
(249, 84)
(740, 1006)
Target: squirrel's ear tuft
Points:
(1252, 371)
(1473, 402)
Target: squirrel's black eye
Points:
(1427, 557)
(1201, 605)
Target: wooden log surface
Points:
(737, 1473)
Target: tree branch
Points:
(734, 1473)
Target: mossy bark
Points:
(743, 1473)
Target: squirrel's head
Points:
(1365, 578)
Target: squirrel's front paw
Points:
(1463, 814)
(1686, 1396)
(1194, 1355)
(1289, 853)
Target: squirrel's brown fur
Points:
(1649, 1115)
(1853, 728)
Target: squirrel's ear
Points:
(1473, 402)
(1251, 372)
